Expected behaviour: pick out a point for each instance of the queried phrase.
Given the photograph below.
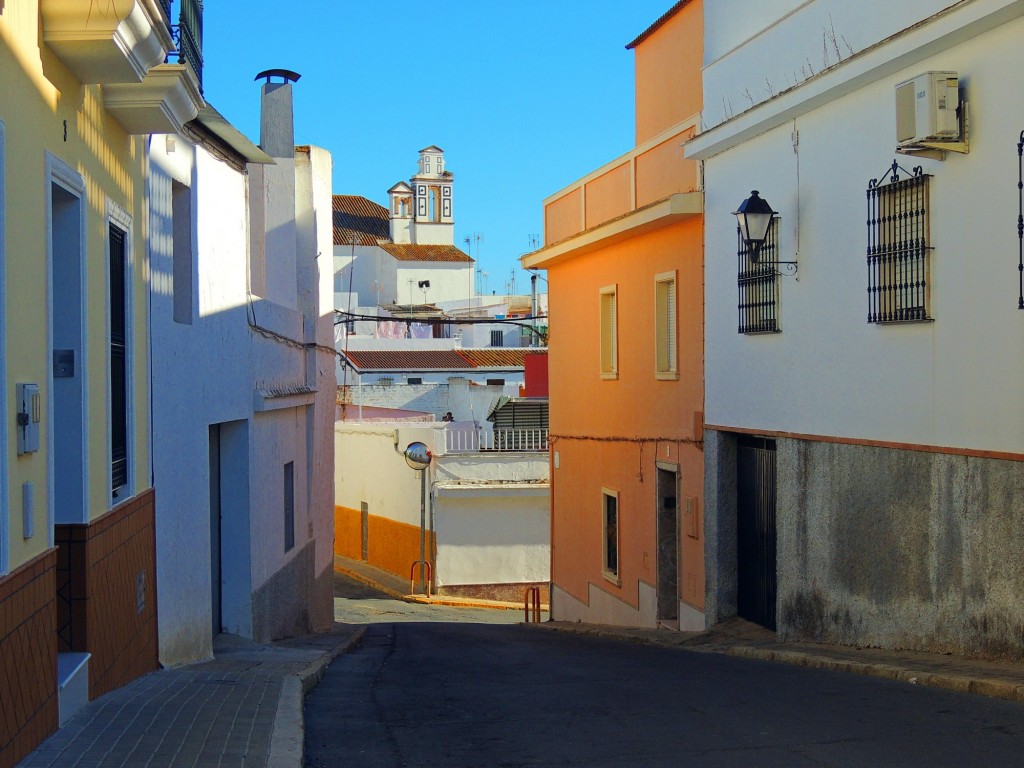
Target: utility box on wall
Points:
(28, 418)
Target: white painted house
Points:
(871, 400)
(243, 381)
(485, 525)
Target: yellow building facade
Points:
(84, 85)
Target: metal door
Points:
(755, 530)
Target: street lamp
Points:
(755, 218)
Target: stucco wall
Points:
(754, 52)
(928, 554)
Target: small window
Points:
(289, 505)
(386, 381)
(758, 282)
(496, 382)
(415, 380)
(610, 534)
(899, 279)
(181, 254)
(665, 326)
(497, 338)
(609, 333)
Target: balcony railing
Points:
(484, 440)
(188, 35)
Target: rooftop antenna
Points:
(534, 240)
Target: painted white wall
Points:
(201, 376)
(367, 271)
(498, 537)
(948, 383)
(491, 512)
(449, 281)
(213, 371)
(754, 51)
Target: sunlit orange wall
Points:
(563, 217)
(662, 171)
(607, 407)
(635, 405)
(391, 546)
(668, 73)
(609, 195)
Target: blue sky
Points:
(524, 96)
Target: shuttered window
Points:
(666, 366)
(609, 333)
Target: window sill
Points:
(608, 576)
(666, 375)
(609, 375)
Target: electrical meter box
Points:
(28, 417)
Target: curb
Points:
(288, 738)
(424, 600)
(990, 687)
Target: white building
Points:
(243, 382)
(873, 403)
(404, 254)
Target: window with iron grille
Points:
(497, 338)
(758, 283)
(899, 279)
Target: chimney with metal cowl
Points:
(272, 227)
(277, 126)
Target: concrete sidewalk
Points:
(243, 708)
(995, 678)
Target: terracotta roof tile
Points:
(496, 357)
(409, 360)
(355, 215)
(414, 252)
(439, 359)
(657, 24)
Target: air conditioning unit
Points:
(926, 108)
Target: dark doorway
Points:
(668, 546)
(755, 530)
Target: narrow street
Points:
(440, 690)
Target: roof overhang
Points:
(216, 124)
(677, 207)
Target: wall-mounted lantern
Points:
(755, 218)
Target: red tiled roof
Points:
(439, 359)
(657, 24)
(409, 360)
(355, 215)
(497, 357)
(414, 252)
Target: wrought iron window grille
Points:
(757, 282)
(899, 270)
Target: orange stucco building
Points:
(623, 248)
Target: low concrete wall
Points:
(900, 549)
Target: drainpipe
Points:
(533, 309)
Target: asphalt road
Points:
(465, 694)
